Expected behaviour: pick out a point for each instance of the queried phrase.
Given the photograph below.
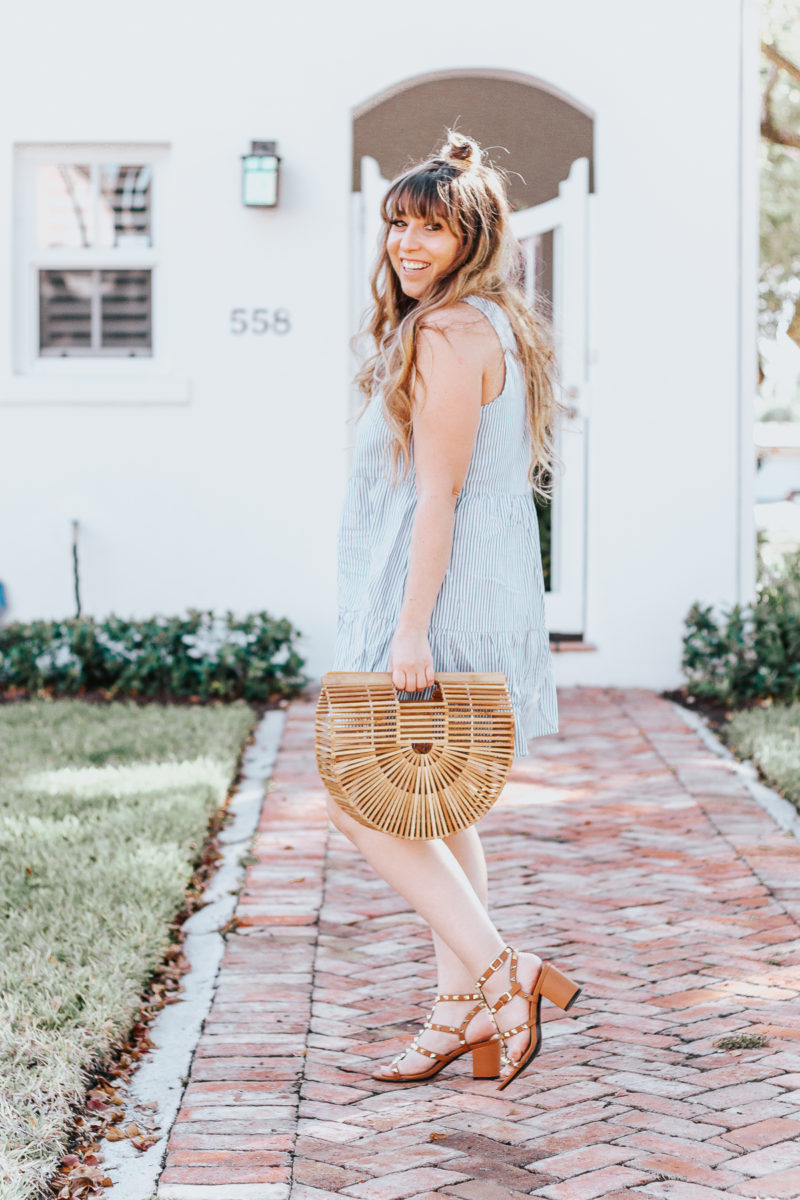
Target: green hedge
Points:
(749, 652)
(198, 655)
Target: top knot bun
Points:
(461, 150)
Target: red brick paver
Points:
(626, 850)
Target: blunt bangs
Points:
(424, 195)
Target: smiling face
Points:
(421, 250)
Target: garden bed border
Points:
(162, 1075)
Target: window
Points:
(105, 207)
(89, 240)
(102, 207)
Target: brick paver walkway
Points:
(627, 851)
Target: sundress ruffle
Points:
(364, 640)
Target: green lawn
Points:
(771, 738)
(103, 810)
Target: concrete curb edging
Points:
(783, 813)
(162, 1076)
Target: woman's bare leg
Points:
(453, 974)
(431, 877)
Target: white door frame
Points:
(567, 216)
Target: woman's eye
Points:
(434, 225)
(397, 222)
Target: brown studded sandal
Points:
(485, 1054)
(551, 983)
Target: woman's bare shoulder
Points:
(458, 322)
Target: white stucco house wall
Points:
(174, 364)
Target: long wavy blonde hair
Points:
(457, 186)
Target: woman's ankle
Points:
(499, 982)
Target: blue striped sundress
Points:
(490, 612)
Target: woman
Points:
(442, 567)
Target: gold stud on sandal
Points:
(485, 1054)
(551, 983)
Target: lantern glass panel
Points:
(261, 180)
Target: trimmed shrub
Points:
(199, 655)
(750, 652)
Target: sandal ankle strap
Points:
(495, 966)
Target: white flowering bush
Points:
(202, 655)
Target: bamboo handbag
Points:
(414, 768)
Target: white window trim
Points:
(74, 379)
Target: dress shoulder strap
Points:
(497, 318)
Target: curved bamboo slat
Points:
(414, 768)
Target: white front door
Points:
(567, 216)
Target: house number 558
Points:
(260, 320)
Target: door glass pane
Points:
(536, 280)
(536, 267)
(126, 311)
(124, 206)
(544, 265)
(544, 512)
(65, 311)
(63, 205)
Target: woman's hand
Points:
(410, 659)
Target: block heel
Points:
(557, 987)
(486, 1060)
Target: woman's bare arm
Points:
(447, 406)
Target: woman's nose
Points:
(409, 239)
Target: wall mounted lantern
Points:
(260, 175)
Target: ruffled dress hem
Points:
(363, 643)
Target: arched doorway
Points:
(545, 141)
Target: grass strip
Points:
(770, 736)
(103, 813)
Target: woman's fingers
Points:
(398, 673)
(411, 661)
(412, 680)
